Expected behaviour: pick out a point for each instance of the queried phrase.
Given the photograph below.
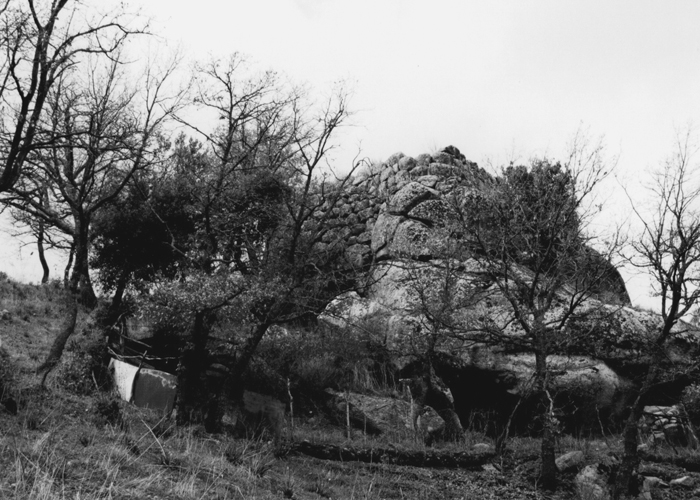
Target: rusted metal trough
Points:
(144, 387)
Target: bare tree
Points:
(443, 295)
(305, 271)
(39, 42)
(668, 250)
(262, 197)
(254, 137)
(96, 136)
(529, 234)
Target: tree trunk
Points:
(453, 426)
(438, 400)
(42, 257)
(240, 364)
(548, 472)
(213, 414)
(624, 483)
(59, 343)
(192, 397)
(80, 279)
(243, 359)
(78, 294)
(122, 281)
(433, 393)
(503, 431)
(69, 266)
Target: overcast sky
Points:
(498, 79)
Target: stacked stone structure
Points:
(390, 209)
(385, 210)
(668, 424)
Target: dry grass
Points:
(64, 451)
(59, 447)
(33, 316)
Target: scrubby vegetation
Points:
(75, 439)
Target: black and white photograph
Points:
(332, 249)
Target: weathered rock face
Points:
(570, 461)
(390, 210)
(416, 203)
(395, 415)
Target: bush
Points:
(107, 411)
(7, 383)
(330, 357)
(83, 368)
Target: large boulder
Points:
(383, 234)
(393, 415)
(411, 240)
(408, 197)
(570, 461)
(432, 212)
(259, 414)
(348, 309)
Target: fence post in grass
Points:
(347, 413)
(291, 410)
(364, 429)
(412, 418)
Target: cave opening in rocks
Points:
(485, 399)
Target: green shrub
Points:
(319, 371)
(330, 357)
(107, 411)
(83, 367)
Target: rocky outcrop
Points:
(387, 209)
(486, 377)
(589, 390)
(393, 223)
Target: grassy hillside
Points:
(75, 441)
(29, 317)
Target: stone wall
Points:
(395, 200)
